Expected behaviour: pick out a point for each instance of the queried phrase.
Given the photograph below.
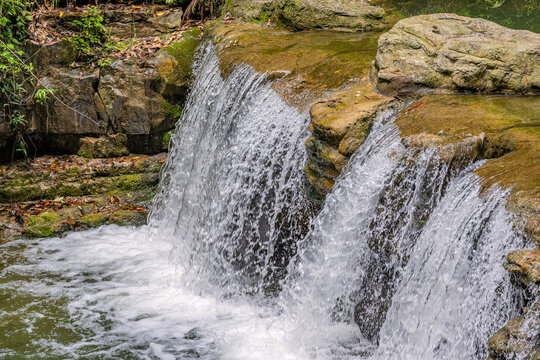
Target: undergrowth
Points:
(17, 87)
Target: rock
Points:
(525, 264)
(449, 53)
(76, 88)
(169, 22)
(104, 146)
(350, 15)
(339, 125)
(46, 224)
(518, 339)
(304, 66)
(48, 196)
(345, 15)
(9, 230)
(250, 9)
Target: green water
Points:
(516, 14)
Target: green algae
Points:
(304, 66)
(183, 51)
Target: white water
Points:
(427, 249)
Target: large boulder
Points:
(249, 9)
(352, 15)
(348, 15)
(449, 53)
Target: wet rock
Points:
(518, 339)
(104, 146)
(525, 264)
(339, 125)
(447, 52)
(304, 66)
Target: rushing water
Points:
(403, 261)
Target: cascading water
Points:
(231, 195)
(406, 246)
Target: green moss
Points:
(172, 111)
(263, 17)
(127, 218)
(94, 220)
(183, 51)
(10, 193)
(166, 139)
(44, 225)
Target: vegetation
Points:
(93, 42)
(518, 14)
(17, 87)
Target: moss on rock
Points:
(179, 72)
(44, 225)
(509, 134)
(304, 66)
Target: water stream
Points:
(402, 262)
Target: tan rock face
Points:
(339, 125)
(526, 264)
(447, 52)
(305, 66)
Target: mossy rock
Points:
(182, 51)
(47, 224)
(128, 218)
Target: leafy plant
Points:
(14, 79)
(93, 41)
(42, 95)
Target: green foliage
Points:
(42, 95)
(518, 14)
(14, 81)
(92, 42)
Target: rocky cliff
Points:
(139, 96)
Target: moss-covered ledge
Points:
(51, 195)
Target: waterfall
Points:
(403, 261)
(407, 247)
(231, 198)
